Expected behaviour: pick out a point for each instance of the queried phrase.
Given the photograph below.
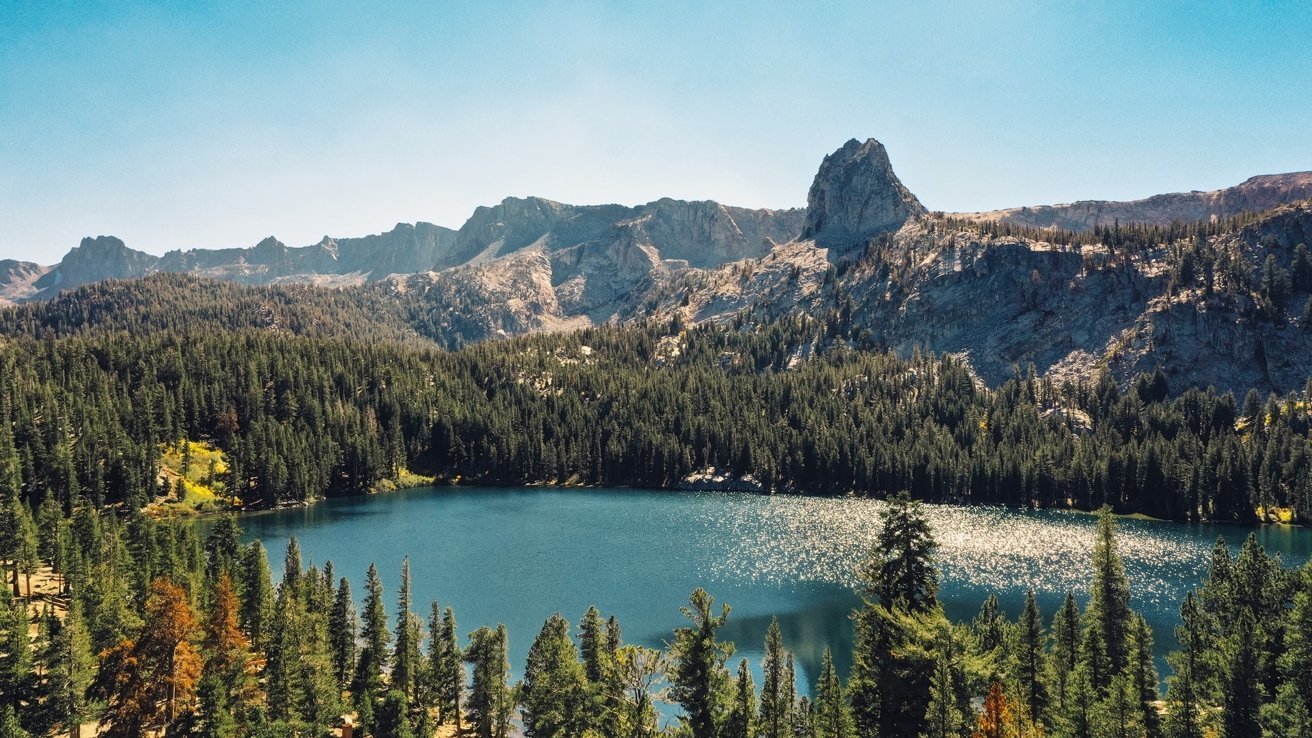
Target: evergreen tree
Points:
(374, 637)
(17, 678)
(9, 725)
(343, 625)
(741, 722)
(1141, 671)
(69, 669)
(1109, 606)
(151, 680)
(700, 682)
(900, 570)
(257, 595)
(830, 712)
(1120, 714)
(448, 668)
(1291, 713)
(230, 665)
(1078, 719)
(1183, 688)
(291, 568)
(490, 702)
(592, 645)
(1241, 690)
(1027, 656)
(407, 659)
(776, 692)
(393, 719)
(554, 692)
(223, 551)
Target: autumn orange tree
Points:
(231, 667)
(1000, 720)
(147, 681)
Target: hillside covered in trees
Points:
(797, 405)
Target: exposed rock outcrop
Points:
(855, 196)
(1253, 195)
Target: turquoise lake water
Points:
(516, 556)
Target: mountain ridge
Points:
(1221, 300)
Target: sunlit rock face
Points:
(1258, 193)
(855, 196)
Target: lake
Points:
(516, 556)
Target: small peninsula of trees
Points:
(154, 631)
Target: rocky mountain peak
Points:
(856, 195)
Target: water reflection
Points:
(518, 555)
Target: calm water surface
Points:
(518, 555)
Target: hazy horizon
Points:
(206, 127)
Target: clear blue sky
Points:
(205, 124)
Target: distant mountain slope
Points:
(193, 305)
(1254, 194)
(701, 234)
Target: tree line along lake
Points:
(517, 555)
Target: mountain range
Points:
(1178, 281)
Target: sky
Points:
(214, 124)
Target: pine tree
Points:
(776, 693)
(286, 644)
(900, 571)
(490, 702)
(1291, 713)
(699, 680)
(25, 547)
(256, 595)
(229, 662)
(742, 716)
(343, 625)
(291, 568)
(393, 719)
(1141, 671)
(448, 665)
(374, 637)
(406, 660)
(1183, 688)
(151, 680)
(1028, 659)
(69, 669)
(592, 645)
(996, 720)
(223, 549)
(11, 489)
(9, 725)
(1109, 606)
(1078, 719)
(1120, 714)
(17, 678)
(554, 692)
(1241, 691)
(830, 712)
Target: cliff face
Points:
(856, 195)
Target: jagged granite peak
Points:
(856, 195)
(95, 259)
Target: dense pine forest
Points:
(798, 405)
(141, 628)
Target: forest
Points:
(149, 629)
(796, 405)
